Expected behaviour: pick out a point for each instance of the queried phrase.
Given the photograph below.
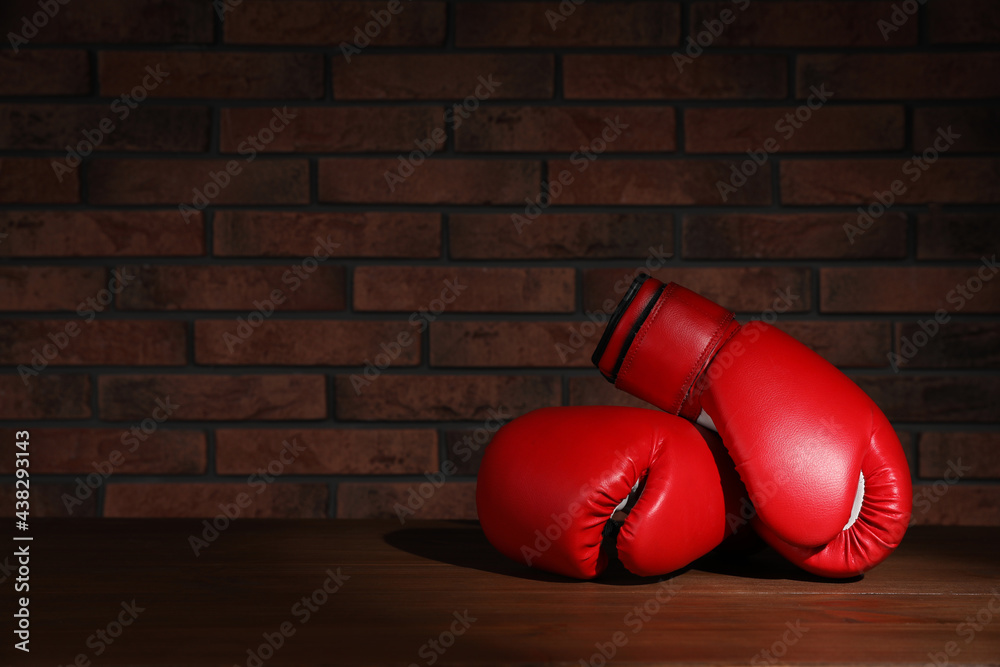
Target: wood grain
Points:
(404, 585)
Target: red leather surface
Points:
(550, 480)
(620, 335)
(798, 430)
(884, 517)
(696, 328)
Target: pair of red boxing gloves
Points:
(559, 488)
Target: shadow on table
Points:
(465, 545)
(762, 563)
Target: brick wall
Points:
(286, 253)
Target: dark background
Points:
(516, 337)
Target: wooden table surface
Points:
(435, 592)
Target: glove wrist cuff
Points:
(659, 343)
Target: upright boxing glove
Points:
(556, 483)
(823, 467)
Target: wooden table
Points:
(435, 592)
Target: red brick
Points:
(742, 289)
(512, 344)
(559, 235)
(977, 125)
(213, 397)
(444, 76)
(465, 449)
(383, 500)
(442, 397)
(900, 75)
(328, 451)
(471, 290)
(963, 21)
(33, 181)
(95, 233)
(845, 344)
(507, 24)
(905, 290)
(147, 128)
(324, 129)
(953, 345)
(122, 21)
(568, 129)
(275, 501)
(332, 23)
(83, 450)
(711, 76)
(227, 74)
(959, 506)
(114, 181)
(978, 451)
(838, 128)
(49, 500)
(957, 235)
(598, 391)
(101, 342)
(906, 439)
(47, 396)
(808, 24)
(232, 287)
(37, 72)
(295, 234)
(949, 180)
(40, 288)
(934, 398)
(305, 343)
(374, 180)
(648, 182)
(791, 236)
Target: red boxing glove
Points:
(823, 466)
(551, 480)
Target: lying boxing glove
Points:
(823, 467)
(557, 482)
